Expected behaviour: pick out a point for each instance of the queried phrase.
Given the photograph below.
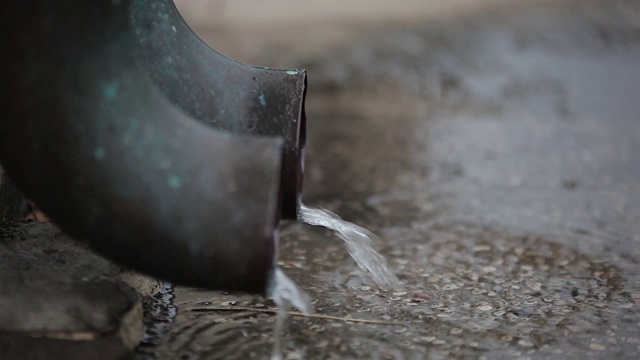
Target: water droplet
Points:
(284, 293)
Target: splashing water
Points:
(359, 245)
(358, 242)
(285, 294)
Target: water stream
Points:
(285, 294)
(358, 242)
(359, 245)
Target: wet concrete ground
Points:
(497, 156)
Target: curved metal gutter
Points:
(90, 137)
(221, 92)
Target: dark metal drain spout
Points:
(91, 139)
(255, 100)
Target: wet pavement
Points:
(497, 156)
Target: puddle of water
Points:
(358, 242)
(159, 313)
(285, 294)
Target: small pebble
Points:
(422, 296)
(401, 330)
(479, 248)
(525, 343)
(596, 347)
(489, 269)
(321, 344)
(536, 286)
(317, 328)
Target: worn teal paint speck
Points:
(99, 153)
(262, 100)
(292, 72)
(110, 91)
(175, 181)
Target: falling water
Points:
(285, 294)
(359, 245)
(358, 241)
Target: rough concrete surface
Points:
(60, 301)
(495, 152)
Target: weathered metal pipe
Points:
(89, 136)
(241, 99)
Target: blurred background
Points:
(492, 145)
